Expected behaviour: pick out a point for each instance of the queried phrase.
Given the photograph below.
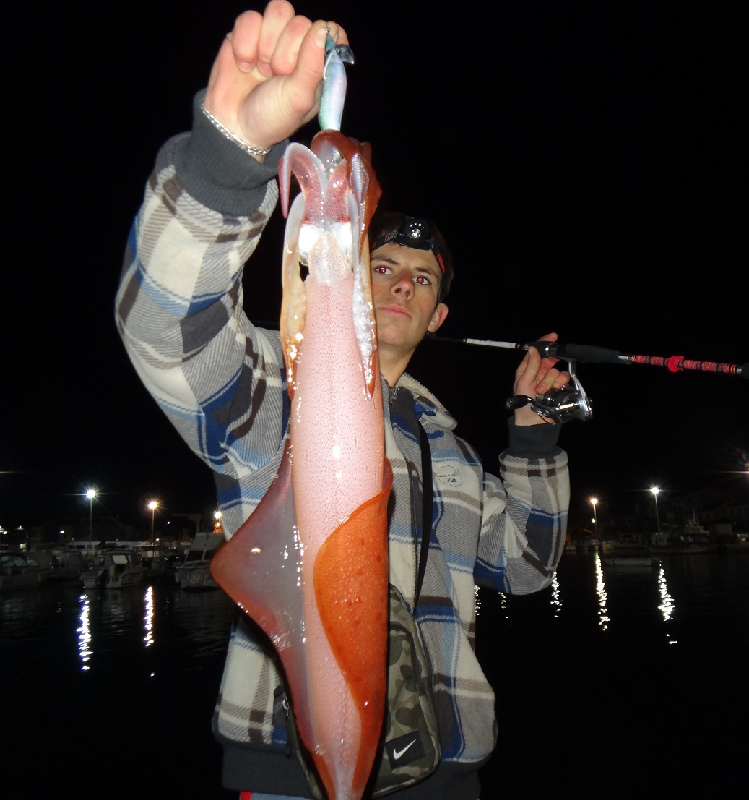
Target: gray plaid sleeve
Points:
(179, 311)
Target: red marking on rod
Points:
(674, 363)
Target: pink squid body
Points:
(310, 564)
(337, 466)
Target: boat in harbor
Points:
(585, 545)
(20, 570)
(62, 565)
(117, 569)
(154, 560)
(689, 542)
(622, 548)
(68, 566)
(691, 539)
(630, 562)
(194, 573)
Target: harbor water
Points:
(616, 681)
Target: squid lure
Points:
(334, 84)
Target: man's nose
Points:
(404, 284)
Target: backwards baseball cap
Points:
(418, 233)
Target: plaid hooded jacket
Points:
(220, 381)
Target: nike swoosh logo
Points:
(398, 753)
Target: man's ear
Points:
(439, 316)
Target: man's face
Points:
(405, 286)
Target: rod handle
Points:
(585, 353)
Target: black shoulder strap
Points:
(426, 519)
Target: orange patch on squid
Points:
(351, 589)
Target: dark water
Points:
(613, 682)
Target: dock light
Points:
(594, 503)
(152, 505)
(90, 495)
(656, 491)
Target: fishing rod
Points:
(571, 401)
(591, 354)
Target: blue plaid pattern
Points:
(220, 381)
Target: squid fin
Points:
(260, 569)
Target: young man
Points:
(220, 380)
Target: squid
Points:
(310, 564)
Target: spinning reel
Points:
(561, 405)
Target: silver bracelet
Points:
(248, 148)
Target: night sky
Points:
(586, 161)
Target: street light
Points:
(594, 503)
(656, 491)
(90, 495)
(153, 505)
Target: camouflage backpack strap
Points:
(410, 738)
(428, 512)
(410, 749)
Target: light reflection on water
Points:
(603, 615)
(556, 595)
(126, 680)
(595, 648)
(670, 598)
(148, 618)
(84, 632)
(652, 572)
(155, 615)
(57, 619)
(630, 661)
(667, 606)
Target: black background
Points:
(587, 162)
